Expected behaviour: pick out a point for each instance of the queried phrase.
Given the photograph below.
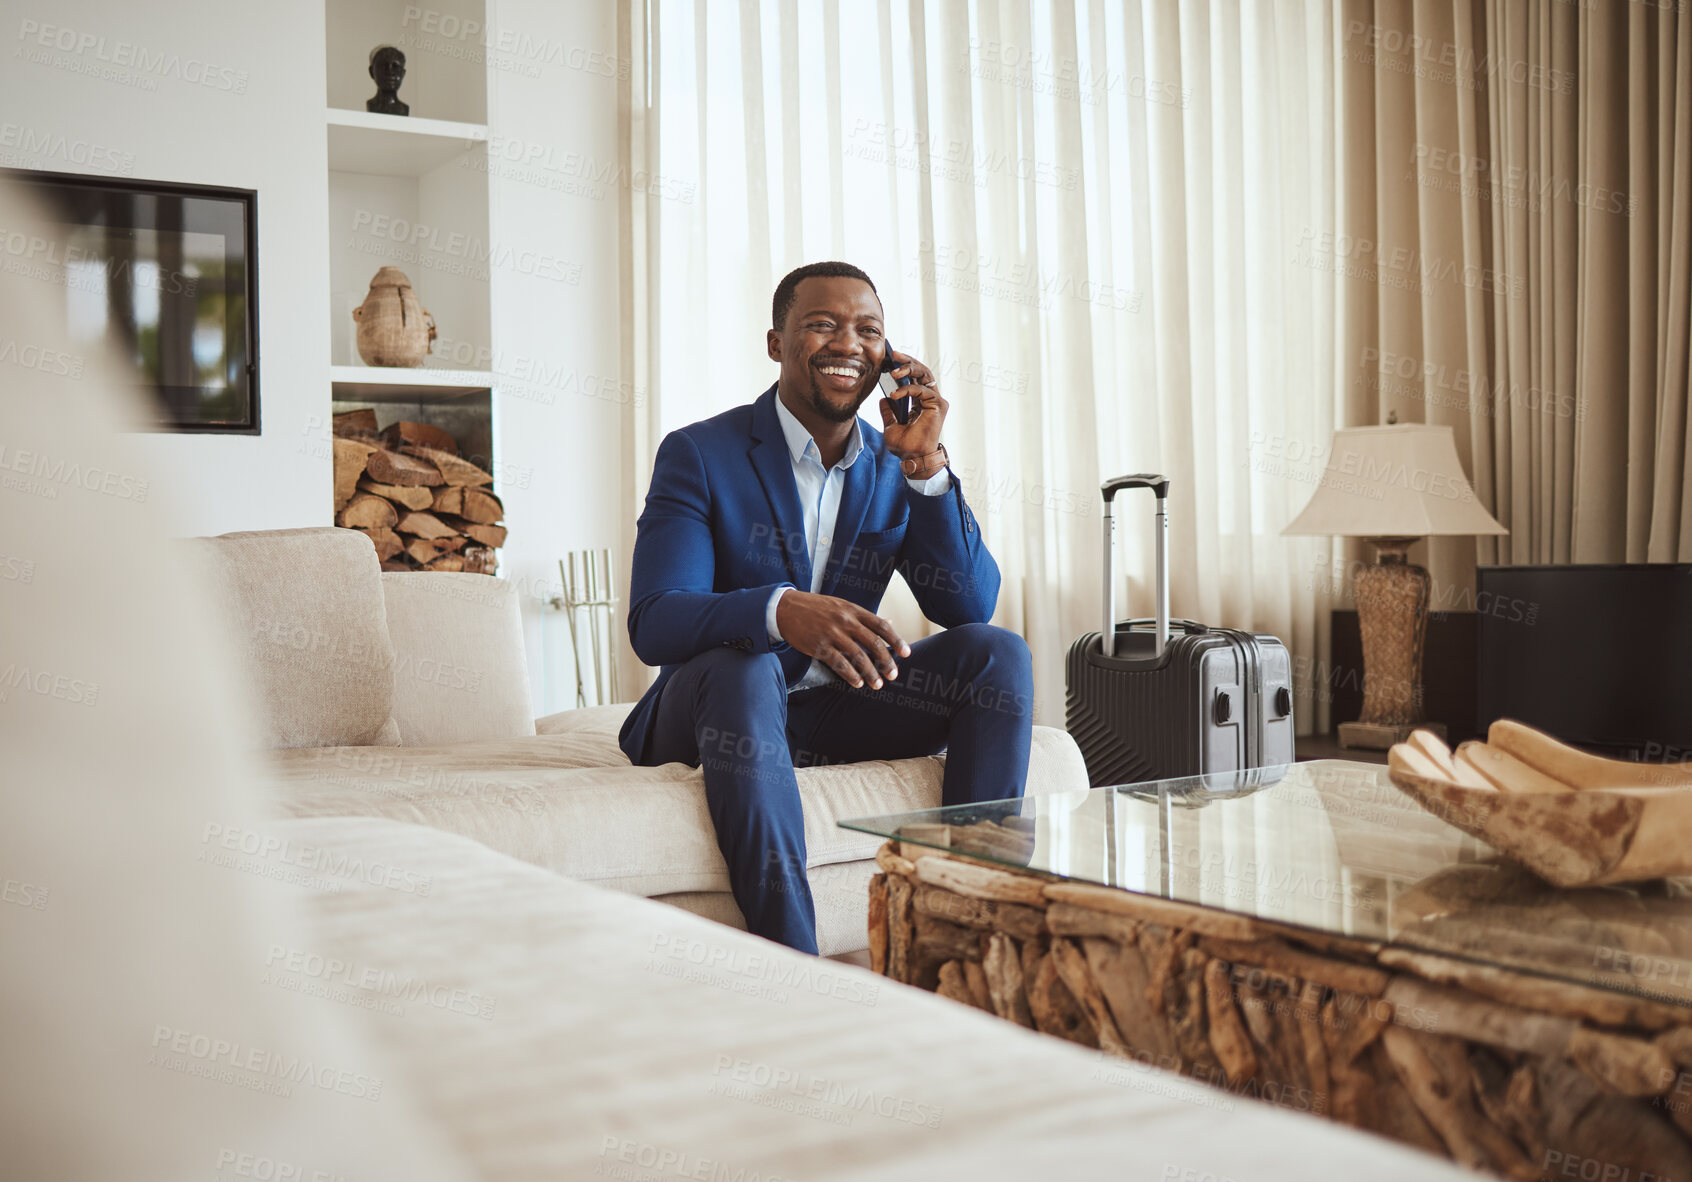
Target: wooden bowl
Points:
(1578, 835)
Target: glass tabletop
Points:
(1332, 846)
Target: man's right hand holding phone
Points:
(853, 641)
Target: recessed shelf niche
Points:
(444, 43)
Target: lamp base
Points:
(1392, 615)
(1374, 736)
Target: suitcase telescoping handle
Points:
(1160, 488)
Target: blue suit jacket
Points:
(722, 528)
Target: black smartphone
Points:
(890, 386)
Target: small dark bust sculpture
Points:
(387, 67)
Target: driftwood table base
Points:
(1520, 1075)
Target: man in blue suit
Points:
(768, 538)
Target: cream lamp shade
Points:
(1402, 481)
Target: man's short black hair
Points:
(788, 288)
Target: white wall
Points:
(264, 132)
(555, 319)
(260, 125)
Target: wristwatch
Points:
(935, 470)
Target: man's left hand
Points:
(916, 443)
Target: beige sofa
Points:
(406, 696)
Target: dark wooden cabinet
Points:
(1448, 682)
(1448, 672)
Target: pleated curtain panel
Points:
(1193, 238)
(1525, 171)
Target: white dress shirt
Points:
(819, 498)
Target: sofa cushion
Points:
(840, 893)
(598, 724)
(459, 669)
(307, 609)
(601, 1034)
(643, 830)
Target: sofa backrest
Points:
(343, 654)
(308, 610)
(459, 669)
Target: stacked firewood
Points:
(421, 504)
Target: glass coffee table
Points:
(1309, 936)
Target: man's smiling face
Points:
(831, 347)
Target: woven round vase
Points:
(393, 328)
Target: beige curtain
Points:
(1076, 212)
(1515, 210)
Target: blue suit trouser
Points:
(968, 690)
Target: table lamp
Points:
(1392, 485)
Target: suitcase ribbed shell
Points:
(1134, 726)
(1137, 720)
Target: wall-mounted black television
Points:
(164, 274)
(1598, 655)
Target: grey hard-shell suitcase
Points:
(1145, 705)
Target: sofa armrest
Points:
(1055, 763)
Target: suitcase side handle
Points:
(1160, 488)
